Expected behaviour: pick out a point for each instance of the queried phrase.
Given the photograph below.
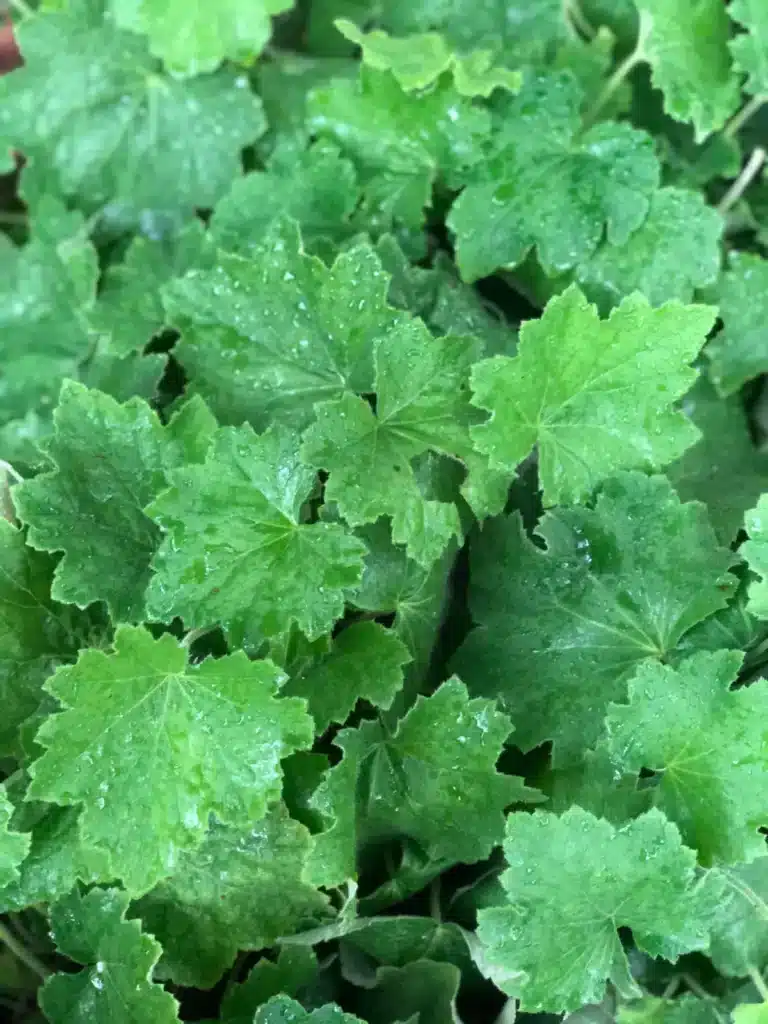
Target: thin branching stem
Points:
(748, 173)
(749, 109)
(622, 72)
(20, 951)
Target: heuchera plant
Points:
(384, 512)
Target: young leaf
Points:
(596, 396)
(687, 48)
(110, 461)
(571, 883)
(423, 991)
(421, 404)
(266, 337)
(241, 889)
(111, 127)
(703, 742)
(243, 508)
(118, 960)
(740, 351)
(434, 781)
(192, 39)
(563, 628)
(749, 49)
(365, 663)
(675, 251)
(151, 746)
(553, 186)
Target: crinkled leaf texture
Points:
(750, 48)
(118, 960)
(571, 882)
(234, 526)
(595, 396)
(552, 186)
(434, 781)
(739, 936)
(150, 746)
(740, 351)
(284, 1010)
(92, 105)
(241, 889)
(562, 628)
(14, 846)
(193, 38)
(704, 742)
(110, 461)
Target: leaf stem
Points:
(20, 951)
(759, 982)
(574, 14)
(22, 8)
(193, 635)
(749, 109)
(435, 910)
(748, 173)
(623, 71)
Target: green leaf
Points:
(57, 859)
(14, 846)
(118, 960)
(393, 584)
(687, 47)
(130, 310)
(749, 49)
(295, 968)
(433, 781)
(36, 633)
(194, 39)
(521, 31)
(596, 396)
(365, 663)
(317, 188)
(398, 941)
(284, 1010)
(110, 127)
(110, 461)
(739, 935)
(563, 627)
(243, 507)
(553, 186)
(702, 740)
(750, 1013)
(755, 551)
(571, 883)
(241, 889)
(266, 337)
(418, 61)
(740, 351)
(723, 469)
(422, 991)
(421, 404)
(408, 140)
(200, 739)
(46, 290)
(674, 251)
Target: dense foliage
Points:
(384, 512)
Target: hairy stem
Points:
(623, 71)
(738, 121)
(20, 951)
(759, 982)
(575, 15)
(21, 8)
(748, 174)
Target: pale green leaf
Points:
(703, 743)
(150, 746)
(295, 968)
(14, 845)
(740, 351)
(755, 550)
(739, 937)
(284, 1010)
(571, 882)
(596, 396)
(750, 48)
